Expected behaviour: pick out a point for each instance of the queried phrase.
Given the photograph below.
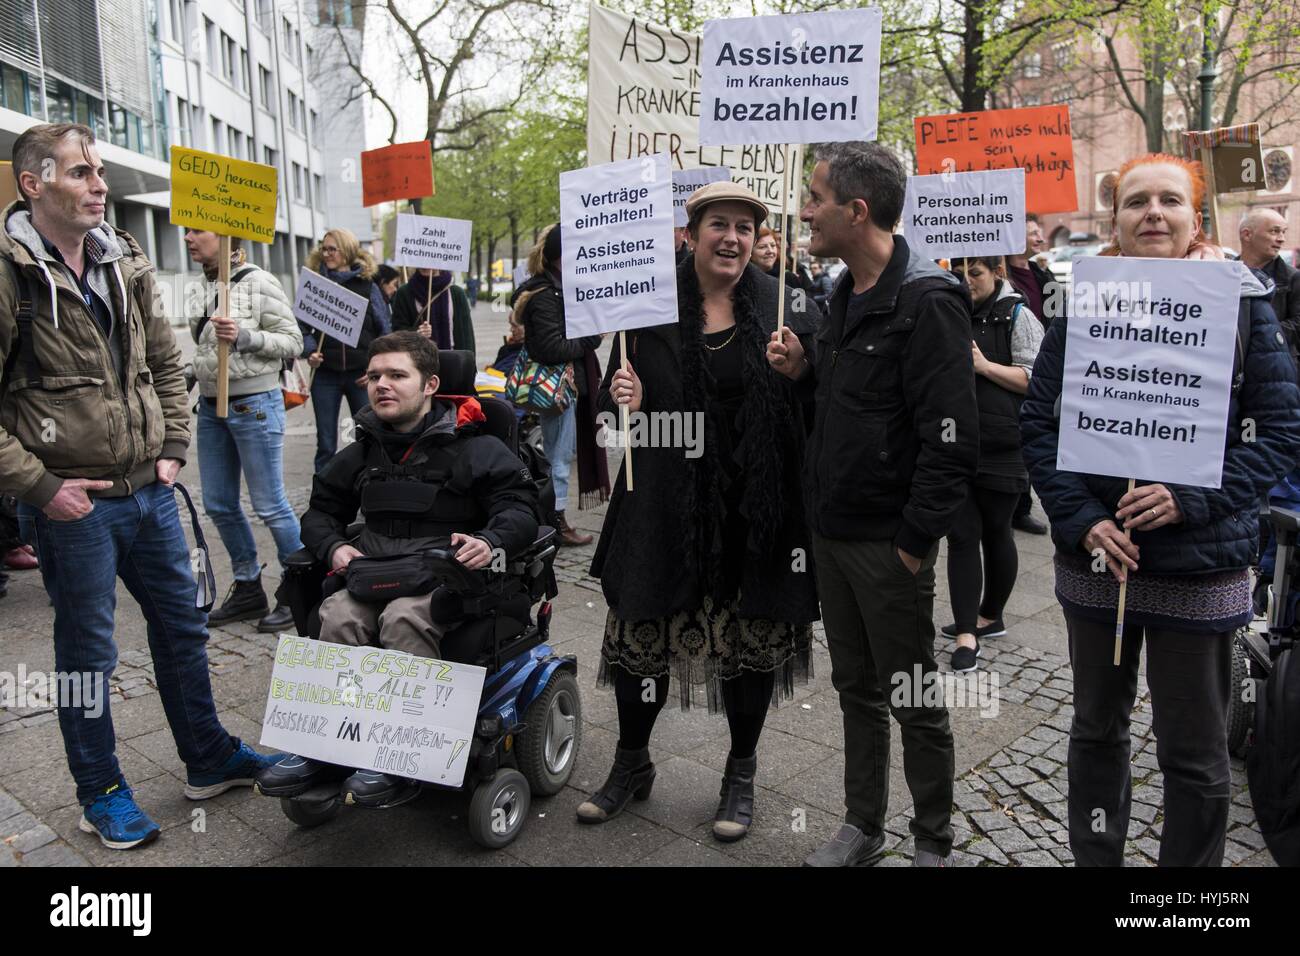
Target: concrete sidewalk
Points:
(1010, 805)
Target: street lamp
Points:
(1208, 74)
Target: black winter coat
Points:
(660, 547)
(452, 478)
(544, 331)
(1220, 527)
(896, 436)
(1286, 302)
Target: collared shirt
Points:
(101, 310)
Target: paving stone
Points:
(1060, 752)
(1249, 836)
(1135, 828)
(1043, 792)
(1062, 837)
(970, 802)
(1033, 829)
(1041, 703)
(991, 820)
(1063, 854)
(1013, 695)
(8, 807)
(999, 760)
(1234, 852)
(54, 854)
(987, 850)
(1035, 858)
(1149, 795)
(1002, 788)
(31, 839)
(1031, 746)
(1018, 775)
(1142, 811)
(1050, 734)
(1044, 766)
(1150, 847)
(18, 823)
(1060, 811)
(1012, 840)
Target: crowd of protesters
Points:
(896, 405)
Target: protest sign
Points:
(686, 181)
(643, 97)
(617, 235)
(1036, 138)
(400, 171)
(431, 242)
(966, 214)
(519, 275)
(373, 709)
(1148, 365)
(799, 78)
(8, 186)
(231, 197)
(1236, 157)
(329, 308)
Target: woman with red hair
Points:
(1186, 561)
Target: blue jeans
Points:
(327, 390)
(139, 539)
(560, 442)
(251, 439)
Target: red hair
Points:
(1194, 174)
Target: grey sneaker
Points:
(930, 858)
(849, 847)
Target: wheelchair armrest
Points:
(302, 558)
(545, 539)
(1284, 519)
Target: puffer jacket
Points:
(1220, 526)
(112, 405)
(268, 335)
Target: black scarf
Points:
(764, 425)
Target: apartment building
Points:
(227, 76)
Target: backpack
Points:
(22, 344)
(1273, 760)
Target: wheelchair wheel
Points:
(1241, 712)
(310, 814)
(498, 809)
(548, 747)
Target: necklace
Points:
(717, 348)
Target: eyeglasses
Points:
(329, 248)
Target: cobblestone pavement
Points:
(1011, 739)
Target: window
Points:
(291, 42)
(1062, 53)
(182, 113)
(1032, 99)
(315, 126)
(264, 87)
(295, 108)
(234, 142)
(264, 15)
(1063, 94)
(218, 135)
(176, 16)
(334, 11)
(245, 83)
(269, 156)
(16, 90)
(318, 191)
(298, 187)
(1034, 65)
(214, 54)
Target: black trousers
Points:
(879, 621)
(983, 526)
(1190, 676)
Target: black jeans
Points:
(880, 631)
(983, 524)
(1190, 676)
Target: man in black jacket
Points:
(1263, 233)
(425, 478)
(894, 446)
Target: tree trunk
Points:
(973, 91)
(514, 239)
(491, 257)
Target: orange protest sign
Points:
(1036, 138)
(401, 171)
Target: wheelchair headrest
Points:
(456, 372)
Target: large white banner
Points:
(329, 308)
(432, 242)
(619, 265)
(951, 215)
(373, 709)
(798, 78)
(643, 97)
(1148, 368)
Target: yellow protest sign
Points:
(8, 187)
(231, 197)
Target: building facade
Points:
(228, 76)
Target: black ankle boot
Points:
(245, 602)
(632, 776)
(736, 806)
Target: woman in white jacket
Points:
(262, 333)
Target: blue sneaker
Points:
(244, 764)
(117, 819)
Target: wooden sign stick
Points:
(1207, 167)
(1123, 595)
(223, 311)
(780, 272)
(623, 414)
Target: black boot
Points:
(736, 806)
(569, 536)
(245, 602)
(281, 619)
(631, 776)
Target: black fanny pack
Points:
(374, 580)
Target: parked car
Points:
(1061, 261)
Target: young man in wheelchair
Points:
(424, 477)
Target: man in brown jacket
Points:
(93, 430)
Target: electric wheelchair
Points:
(529, 726)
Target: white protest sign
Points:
(431, 242)
(619, 266)
(373, 709)
(1148, 366)
(519, 275)
(329, 307)
(643, 97)
(953, 215)
(686, 181)
(799, 78)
